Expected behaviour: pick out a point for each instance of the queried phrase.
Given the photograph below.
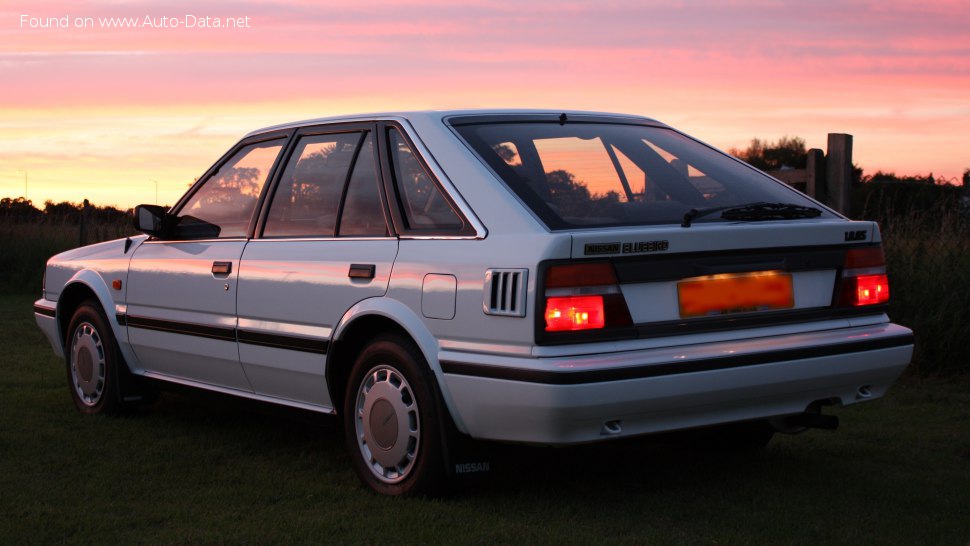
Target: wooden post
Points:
(83, 235)
(838, 173)
(815, 166)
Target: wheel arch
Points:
(89, 285)
(367, 319)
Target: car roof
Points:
(435, 115)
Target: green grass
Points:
(203, 469)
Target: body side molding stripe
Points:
(47, 312)
(550, 377)
(190, 329)
(224, 333)
(307, 345)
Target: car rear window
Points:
(582, 174)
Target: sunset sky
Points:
(108, 113)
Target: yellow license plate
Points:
(735, 293)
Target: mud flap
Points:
(466, 459)
(134, 390)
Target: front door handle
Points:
(221, 268)
(362, 271)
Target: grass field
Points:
(203, 469)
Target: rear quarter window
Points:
(425, 207)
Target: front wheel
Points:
(93, 362)
(392, 419)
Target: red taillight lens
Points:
(584, 296)
(864, 279)
(866, 290)
(567, 313)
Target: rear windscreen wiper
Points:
(755, 211)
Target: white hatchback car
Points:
(532, 277)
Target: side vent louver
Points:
(505, 291)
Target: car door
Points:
(324, 245)
(181, 312)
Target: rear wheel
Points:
(93, 362)
(391, 419)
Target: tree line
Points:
(791, 153)
(19, 209)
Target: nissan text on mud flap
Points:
(531, 277)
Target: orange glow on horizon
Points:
(109, 114)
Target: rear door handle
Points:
(361, 271)
(221, 268)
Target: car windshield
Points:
(581, 174)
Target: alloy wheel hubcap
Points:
(388, 424)
(87, 364)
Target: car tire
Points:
(392, 420)
(93, 362)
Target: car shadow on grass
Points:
(652, 462)
(658, 461)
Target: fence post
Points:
(84, 221)
(838, 173)
(815, 165)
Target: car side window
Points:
(424, 206)
(223, 206)
(307, 201)
(362, 214)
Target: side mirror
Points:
(152, 220)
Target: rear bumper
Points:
(572, 399)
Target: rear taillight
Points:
(565, 313)
(868, 290)
(864, 279)
(583, 297)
